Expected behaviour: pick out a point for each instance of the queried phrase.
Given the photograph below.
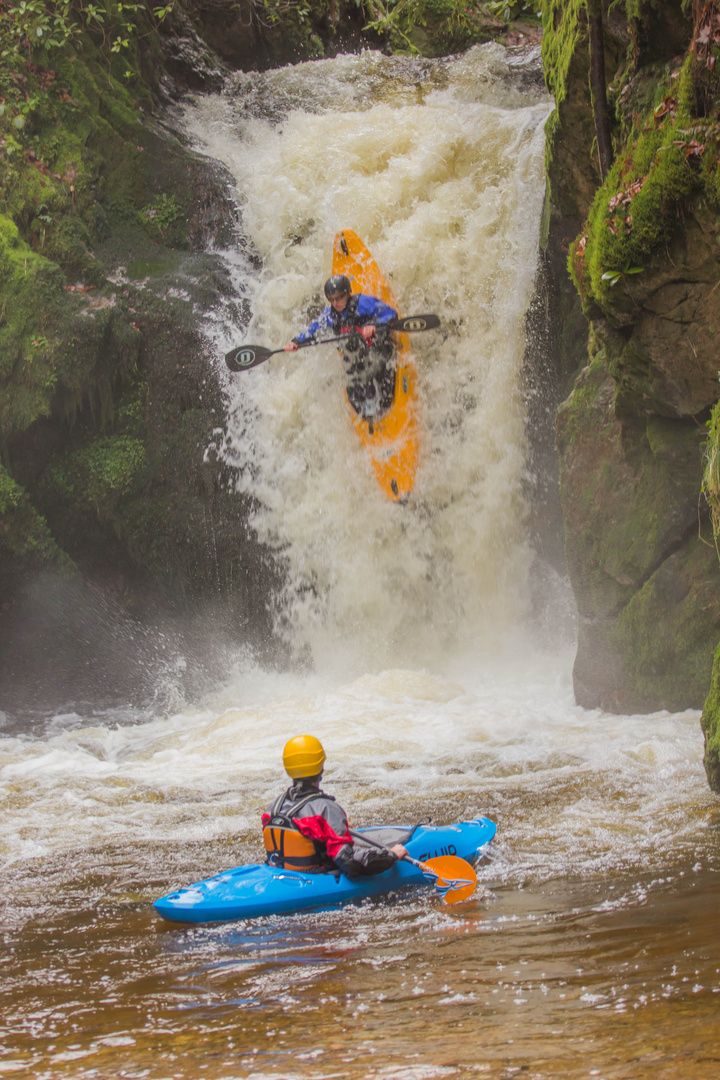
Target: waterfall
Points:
(438, 166)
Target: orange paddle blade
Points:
(456, 878)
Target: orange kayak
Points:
(391, 440)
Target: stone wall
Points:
(632, 434)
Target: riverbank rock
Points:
(112, 402)
(632, 434)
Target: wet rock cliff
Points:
(642, 244)
(119, 528)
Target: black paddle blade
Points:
(415, 322)
(247, 356)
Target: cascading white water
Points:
(438, 167)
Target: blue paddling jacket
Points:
(359, 311)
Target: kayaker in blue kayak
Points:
(305, 829)
(369, 355)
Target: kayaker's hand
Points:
(368, 332)
(399, 850)
(292, 346)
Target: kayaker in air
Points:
(369, 355)
(305, 829)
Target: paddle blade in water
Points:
(456, 879)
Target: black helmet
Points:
(337, 285)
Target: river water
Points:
(432, 656)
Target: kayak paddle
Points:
(454, 878)
(244, 357)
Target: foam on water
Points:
(574, 791)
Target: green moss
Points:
(29, 285)
(99, 473)
(24, 534)
(634, 215)
(670, 159)
(711, 473)
(564, 35)
(711, 726)
(669, 661)
(430, 27)
(685, 90)
(563, 32)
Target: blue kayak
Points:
(249, 891)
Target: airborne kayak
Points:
(249, 891)
(391, 439)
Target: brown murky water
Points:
(611, 976)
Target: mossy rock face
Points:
(665, 356)
(646, 264)
(571, 168)
(711, 726)
(647, 587)
(668, 661)
(111, 484)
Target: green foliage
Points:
(10, 492)
(614, 276)
(162, 214)
(100, 473)
(395, 18)
(710, 721)
(35, 33)
(23, 532)
(514, 10)
(28, 285)
(711, 474)
(444, 24)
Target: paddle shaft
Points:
(406, 858)
(244, 357)
(450, 881)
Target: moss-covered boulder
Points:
(711, 726)
(557, 325)
(110, 401)
(642, 562)
(631, 435)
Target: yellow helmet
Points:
(303, 756)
